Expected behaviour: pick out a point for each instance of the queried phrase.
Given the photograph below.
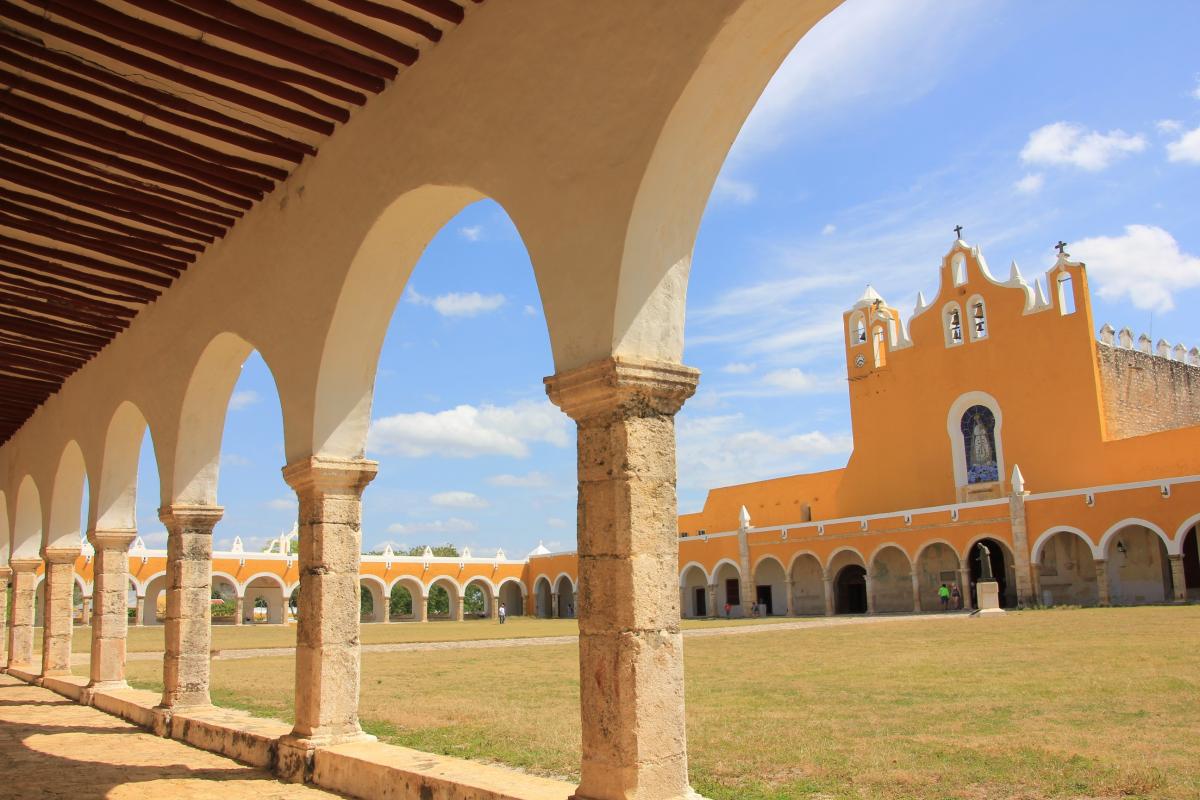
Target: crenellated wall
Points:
(1146, 392)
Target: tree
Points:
(400, 604)
(439, 550)
(439, 601)
(473, 602)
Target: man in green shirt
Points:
(944, 596)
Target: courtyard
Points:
(1067, 703)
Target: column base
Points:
(691, 794)
(294, 755)
(988, 595)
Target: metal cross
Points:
(1061, 247)
(958, 231)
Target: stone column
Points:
(1102, 581)
(5, 574)
(58, 609)
(328, 657)
(1021, 564)
(746, 585)
(457, 610)
(713, 609)
(139, 611)
(870, 594)
(189, 609)
(110, 612)
(964, 587)
(830, 608)
(790, 586)
(630, 646)
(916, 584)
(239, 610)
(494, 608)
(24, 593)
(1178, 578)
(86, 611)
(554, 605)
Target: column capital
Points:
(5, 572)
(344, 476)
(621, 386)
(189, 515)
(60, 555)
(112, 538)
(20, 565)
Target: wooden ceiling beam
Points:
(40, 202)
(347, 29)
(84, 282)
(168, 71)
(392, 16)
(160, 277)
(445, 9)
(140, 246)
(23, 259)
(98, 244)
(87, 303)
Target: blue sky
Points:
(892, 122)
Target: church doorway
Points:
(1000, 563)
(850, 590)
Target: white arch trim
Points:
(966, 554)
(146, 584)
(458, 587)
(237, 585)
(687, 567)
(540, 578)
(843, 549)
(921, 550)
(804, 554)
(1183, 529)
(520, 584)
(875, 553)
(558, 580)
(374, 580)
(958, 451)
(770, 557)
(275, 578)
(1040, 543)
(717, 569)
(1172, 546)
(409, 582)
(486, 581)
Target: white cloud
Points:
(234, 460)
(436, 526)
(531, 480)
(472, 233)
(243, 399)
(829, 230)
(456, 304)
(1168, 126)
(796, 381)
(530, 311)
(1196, 91)
(1186, 148)
(556, 522)
(1145, 265)
(458, 500)
(468, 431)
(282, 503)
(864, 54)
(1031, 183)
(1069, 144)
(720, 451)
(740, 192)
(738, 368)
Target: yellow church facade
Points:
(993, 416)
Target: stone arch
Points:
(542, 597)
(850, 589)
(770, 586)
(1189, 549)
(891, 579)
(228, 588)
(937, 563)
(808, 584)
(841, 557)
(27, 520)
(115, 493)
(415, 590)
(154, 604)
(454, 597)
(564, 587)
(1066, 568)
(727, 577)
(693, 592)
(1171, 545)
(272, 590)
(374, 609)
(1137, 561)
(487, 589)
(1039, 544)
(1180, 533)
(512, 595)
(66, 498)
(958, 450)
(1003, 564)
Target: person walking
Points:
(944, 596)
(955, 597)
(502, 613)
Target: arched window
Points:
(978, 427)
(880, 349)
(1066, 294)
(958, 269)
(953, 324)
(978, 319)
(858, 329)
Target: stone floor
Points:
(51, 747)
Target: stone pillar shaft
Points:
(327, 632)
(870, 594)
(189, 608)
(630, 646)
(139, 611)
(58, 609)
(964, 587)
(110, 608)
(830, 607)
(239, 611)
(1021, 562)
(1178, 578)
(790, 586)
(24, 592)
(746, 585)
(5, 574)
(494, 608)
(1102, 589)
(713, 609)
(554, 605)
(916, 584)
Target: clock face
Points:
(860, 360)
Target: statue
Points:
(985, 563)
(981, 447)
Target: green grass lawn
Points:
(1098, 703)
(234, 637)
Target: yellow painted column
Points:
(630, 645)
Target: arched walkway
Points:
(850, 590)
(770, 587)
(512, 598)
(566, 597)
(225, 592)
(808, 586)
(693, 593)
(406, 600)
(1067, 571)
(1191, 562)
(373, 603)
(1138, 568)
(937, 564)
(543, 600)
(891, 581)
(443, 602)
(477, 599)
(1002, 570)
(263, 601)
(154, 601)
(728, 581)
